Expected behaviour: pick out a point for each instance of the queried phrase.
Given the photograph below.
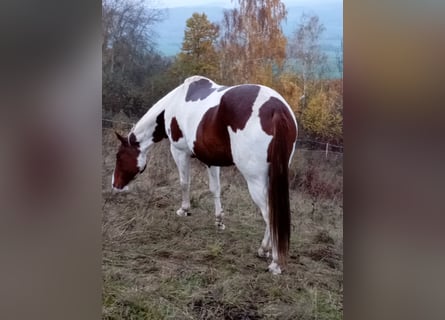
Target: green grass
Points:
(157, 265)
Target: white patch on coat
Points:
(142, 160)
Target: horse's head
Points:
(128, 162)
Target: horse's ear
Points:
(132, 139)
(121, 139)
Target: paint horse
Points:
(249, 126)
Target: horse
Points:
(250, 126)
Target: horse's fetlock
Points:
(220, 225)
(274, 268)
(262, 253)
(183, 212)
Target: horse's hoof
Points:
(220, 225)
(182, 213)
(274, 268)
(263, 253)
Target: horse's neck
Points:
(145, 127)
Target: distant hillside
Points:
(171, 31)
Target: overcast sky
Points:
(229, 3)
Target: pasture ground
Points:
(157, 265)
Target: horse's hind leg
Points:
(182, 160)
(215, 188)
(264, 249)
(258, 192)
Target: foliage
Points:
(252, 41)
(305, 48)
(322, 119)
(287, 85)
(305, 51)
(198, 54)
(319, 106)
(248, 46)
(129, 58)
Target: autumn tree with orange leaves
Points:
(252, 42)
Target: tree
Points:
(252, 43)
(286, 85)
(129, 57)
(198, 54)
(322, 119)
(127, 31)
(339, 58)
(305, 49)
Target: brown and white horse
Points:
(249, 126)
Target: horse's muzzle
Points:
(124, 189)
(116, 188)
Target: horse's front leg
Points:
(215, 188)
(182, 160)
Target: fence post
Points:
(327, 149)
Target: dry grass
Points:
(157, 265)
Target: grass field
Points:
(157, 265)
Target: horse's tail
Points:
(279, 208)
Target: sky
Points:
(229, 3)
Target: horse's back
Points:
(223, 126)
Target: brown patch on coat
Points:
(237, 105)
(126, 166)
(199, 90)
(212, 145)
(159, 132)
(274, 107)
(176, 131)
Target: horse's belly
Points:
(213, 152)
